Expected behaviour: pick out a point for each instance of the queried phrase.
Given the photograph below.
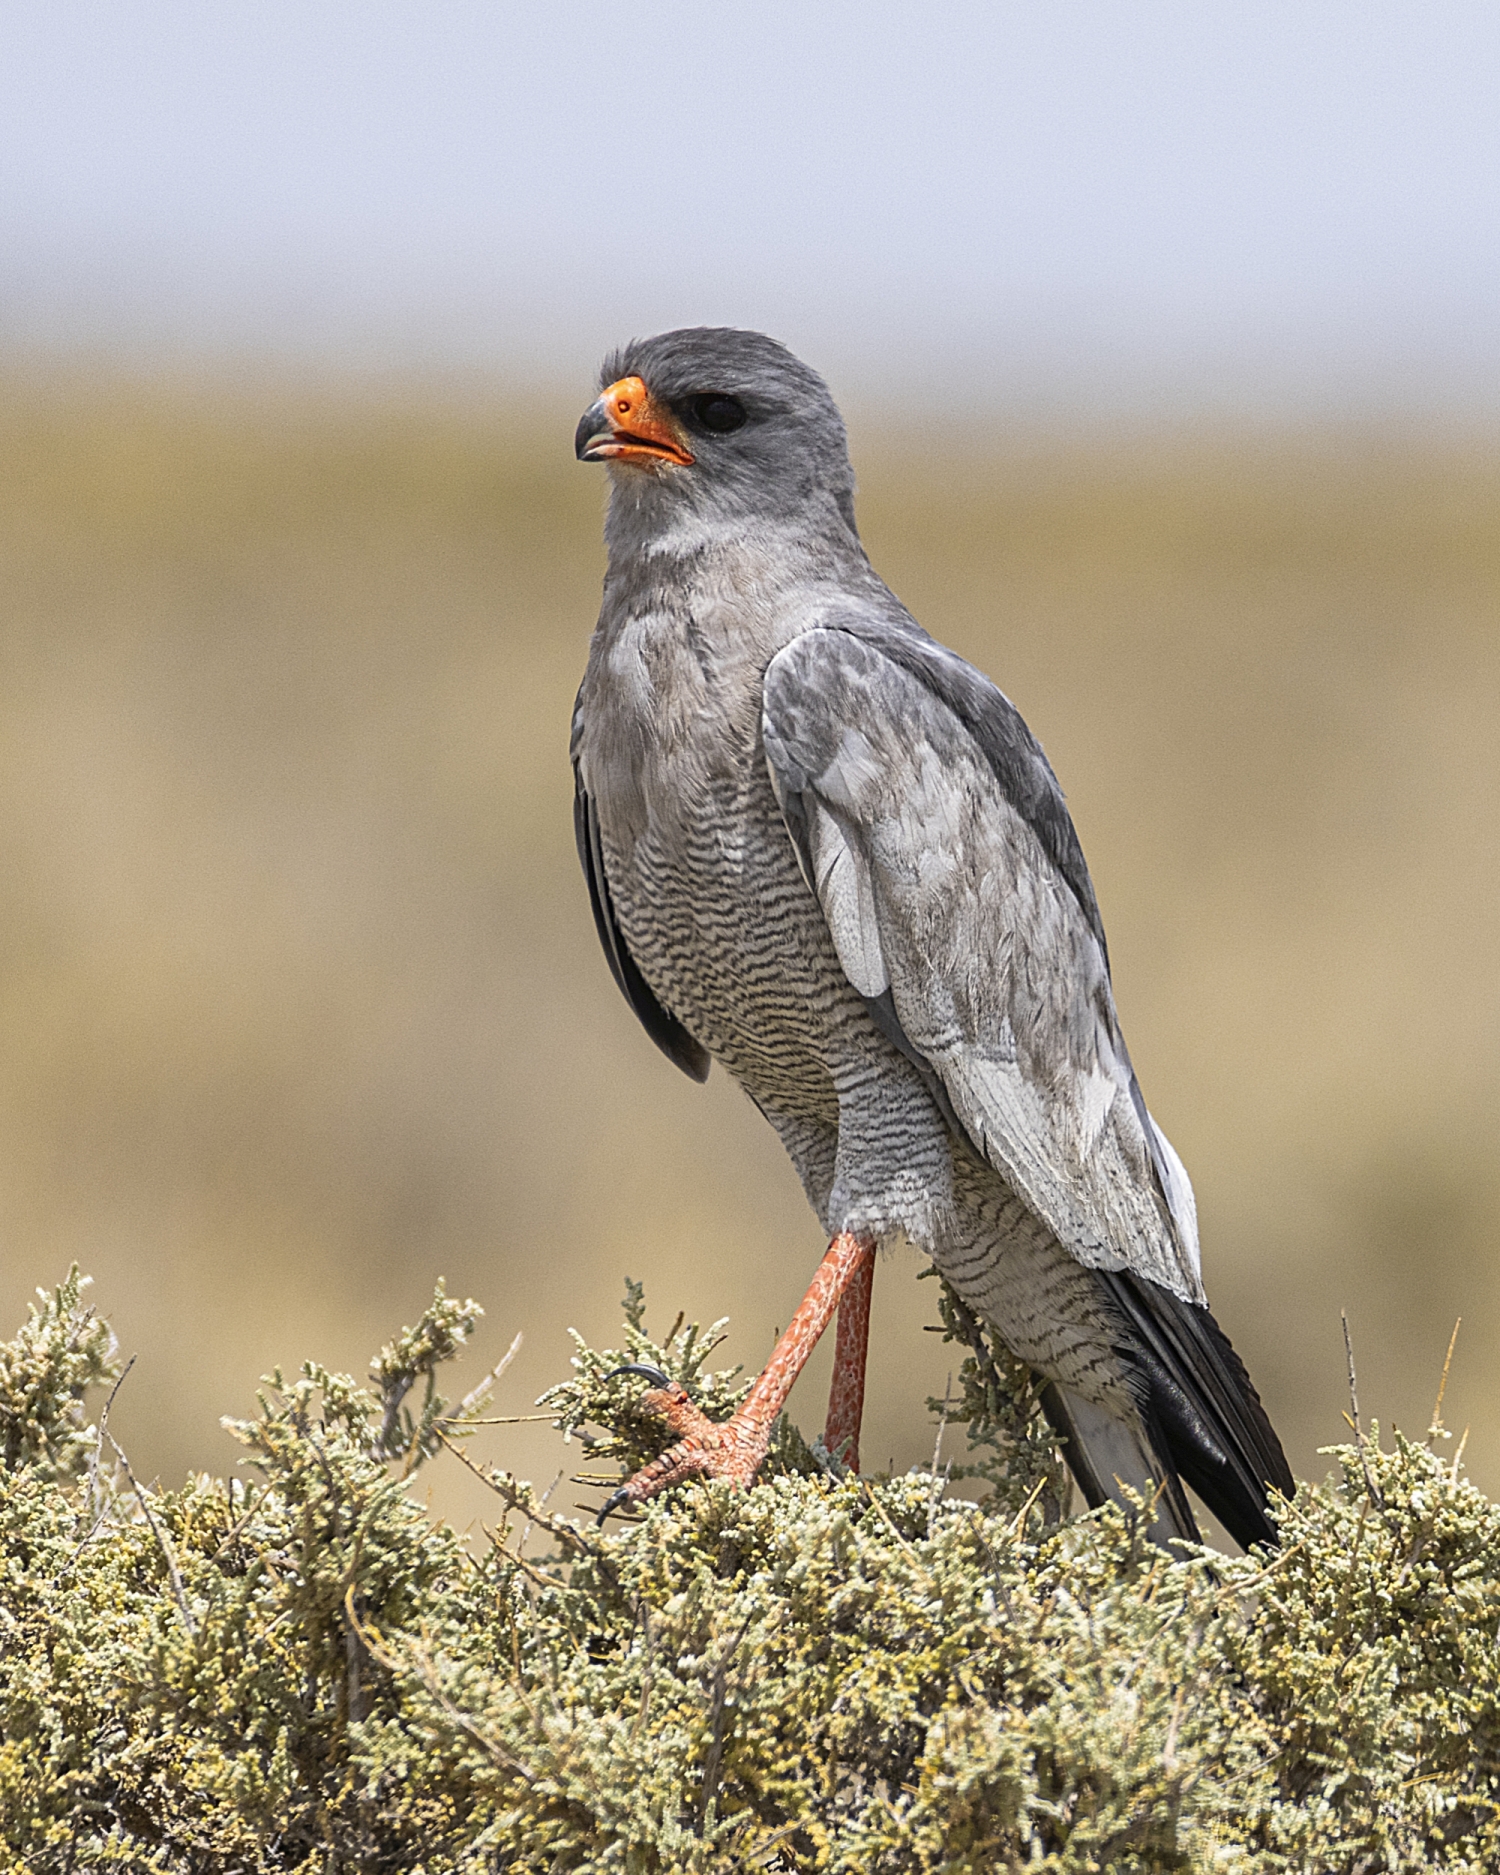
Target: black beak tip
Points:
(591, 426)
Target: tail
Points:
(1104, 1452)
(1201, 1422)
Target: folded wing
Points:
(929, 825)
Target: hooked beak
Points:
(628, 425)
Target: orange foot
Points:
(704, 1449)
(735, 1449)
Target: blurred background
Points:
(1169, 338)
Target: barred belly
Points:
(722, 926)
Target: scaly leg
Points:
(735, 1449)
(846, 1394)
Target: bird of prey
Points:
(825, 851)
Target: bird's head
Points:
(721, 424)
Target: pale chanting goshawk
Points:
(828, 853)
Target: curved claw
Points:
(677, 1397)
(645, 1370)
(612, 1502)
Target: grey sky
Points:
(1253, 203)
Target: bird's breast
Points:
(701, 870)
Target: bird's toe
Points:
(732, 1451)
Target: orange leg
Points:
(846, 1396)
(735, 1449)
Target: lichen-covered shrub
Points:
(300, 1672)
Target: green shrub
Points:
(302, 1672)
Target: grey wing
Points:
(977, 952)
(664, 1029)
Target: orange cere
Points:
(643, 430)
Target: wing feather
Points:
(1203, 1412)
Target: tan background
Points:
(301, 1005)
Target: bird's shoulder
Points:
(853, 669)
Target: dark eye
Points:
(717, 413)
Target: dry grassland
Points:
(300, 1001)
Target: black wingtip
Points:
(1204, 1411)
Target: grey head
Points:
(720, 425)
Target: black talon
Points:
(645, 1370)
(614, 1498)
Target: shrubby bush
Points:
(299, 1671)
